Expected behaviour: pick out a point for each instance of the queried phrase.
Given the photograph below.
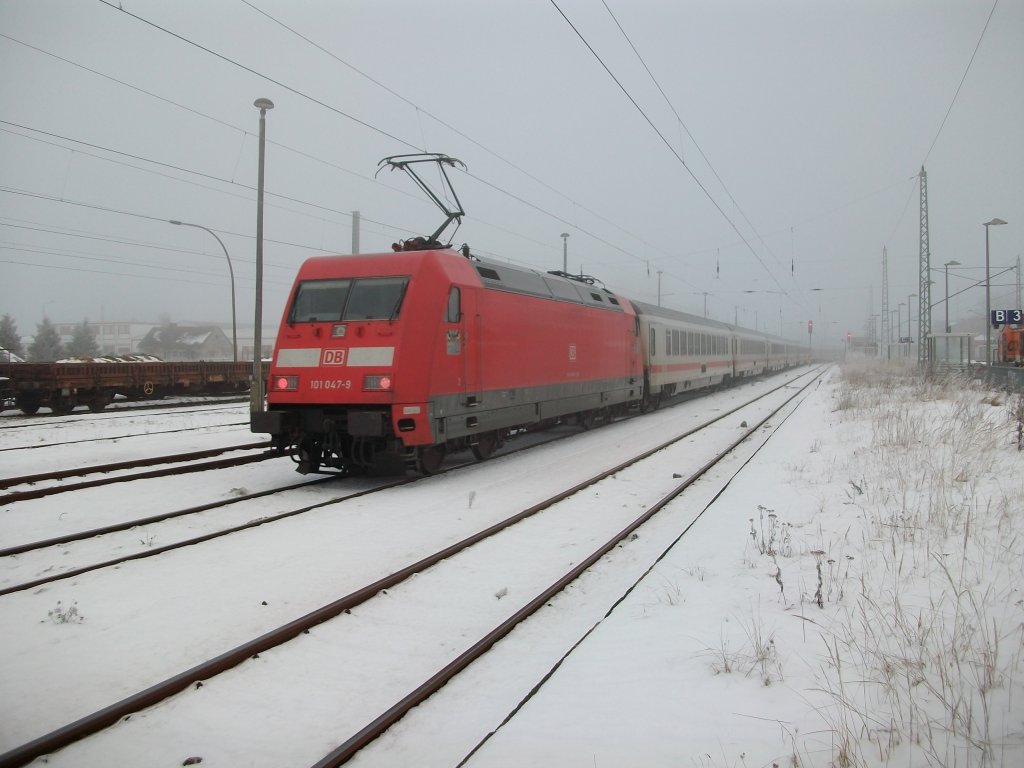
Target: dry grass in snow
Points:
(919, 603)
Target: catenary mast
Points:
(924, 291)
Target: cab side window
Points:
(454, 313)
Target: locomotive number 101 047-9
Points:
(319, 384)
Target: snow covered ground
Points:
(854, 597)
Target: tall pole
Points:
(1017, 305)
(565, 252)
(355, 231)
(231, 271)
(886, 312)
(988, 298)
(947, 265)
(256, 389)
(924, 306)
(910, 333)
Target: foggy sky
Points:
(765, 188)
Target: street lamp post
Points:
(565, 252)
(947, 265)
(256, 389)
(910, 334)
(899, 327)
(231, 271)
(988, 297)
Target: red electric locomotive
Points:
(388, 361)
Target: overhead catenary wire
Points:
(630, 252)
(664, 141)
(324, 104)
(420, 110)
(307, 155)
(693, 139)
(961, 84)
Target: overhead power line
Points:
(670, 148)
(630, 252)
(961, 85)
(696, 144)
(370, 126)
(422, 110)
(251, 71)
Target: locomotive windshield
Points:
(327, 301)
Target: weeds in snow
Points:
(928, 664)
(770, 537)
(756, 655)
(66, 615)
(1016, 407)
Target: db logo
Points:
(334, 357)
(572, 351)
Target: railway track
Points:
(118, 410)
(402, 576)
(150, 551)
(182, 459)
(147, 550)
(122, 436)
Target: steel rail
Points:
(152, 551)
(36, 493)
(118, 411)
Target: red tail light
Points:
(378, 383)
(284, 383)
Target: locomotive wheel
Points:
(485, 446)
(587, 419)
(430, 459)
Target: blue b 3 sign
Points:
(1007, 316)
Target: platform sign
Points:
(1007, 317)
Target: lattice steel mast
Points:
(924, 291)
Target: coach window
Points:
(653, 345)
(454, 305)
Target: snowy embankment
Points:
(854, 598)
